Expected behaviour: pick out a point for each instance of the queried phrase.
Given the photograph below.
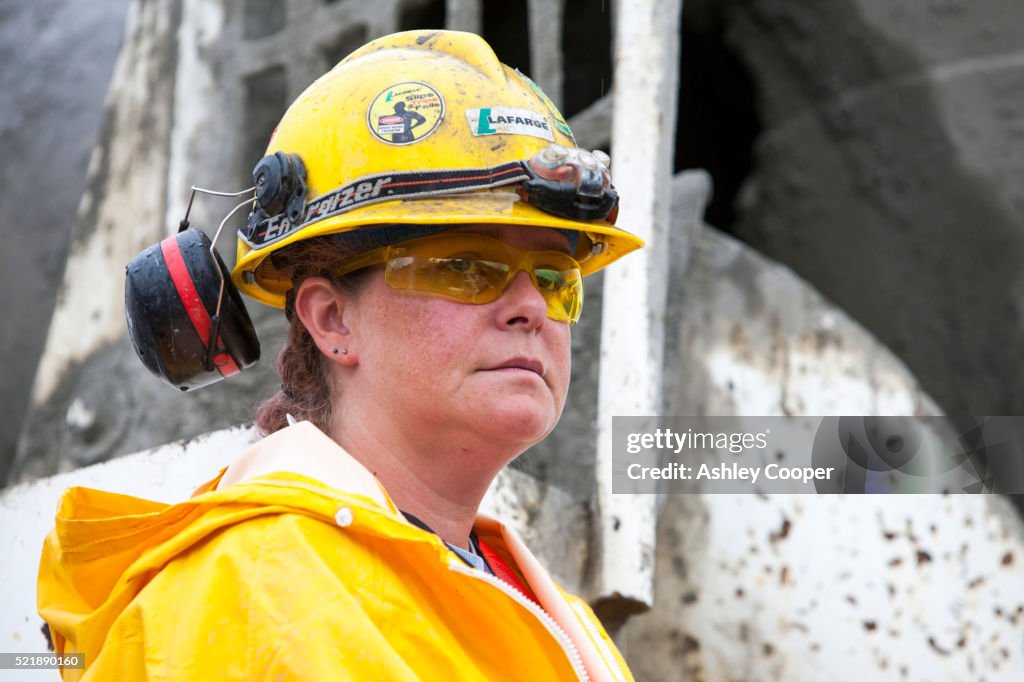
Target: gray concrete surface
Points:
(814, 587)
(888, 174)
(57, 61)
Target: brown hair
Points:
(306, 392)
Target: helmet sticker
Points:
(405, 113)
(509, 121)
(552, 109)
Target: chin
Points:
(525, 424)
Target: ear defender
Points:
(186, 319)
(171, 304)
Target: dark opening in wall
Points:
(506, 29)
(263, 18)
(265, 95)
(419, 14)
(343, 44)
(717, 120)
(587, 53)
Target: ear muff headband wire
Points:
(211, 346)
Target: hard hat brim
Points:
(495, 207)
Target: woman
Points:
(425, 220)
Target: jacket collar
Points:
(306, 450)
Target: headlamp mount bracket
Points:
(280, 181)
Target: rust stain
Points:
(783, 531)
(936, 647)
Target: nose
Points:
(521, 305)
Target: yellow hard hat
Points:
(424, 128)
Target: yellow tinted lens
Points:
(563, 291)
(475, 269)
(549, 280)
(455, 266)
(466, 278)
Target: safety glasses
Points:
(471, 268)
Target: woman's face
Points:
(456, 373)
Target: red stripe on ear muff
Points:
(193, 305)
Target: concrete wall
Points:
(58, 58)
(846, 588)
(887, 174)
(899, 589)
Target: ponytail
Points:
(305, 392)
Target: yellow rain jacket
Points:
(294, 564)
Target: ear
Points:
(321, 308)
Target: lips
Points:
(524, 363)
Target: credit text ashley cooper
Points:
(672, 441)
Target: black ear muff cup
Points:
(170, 300)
